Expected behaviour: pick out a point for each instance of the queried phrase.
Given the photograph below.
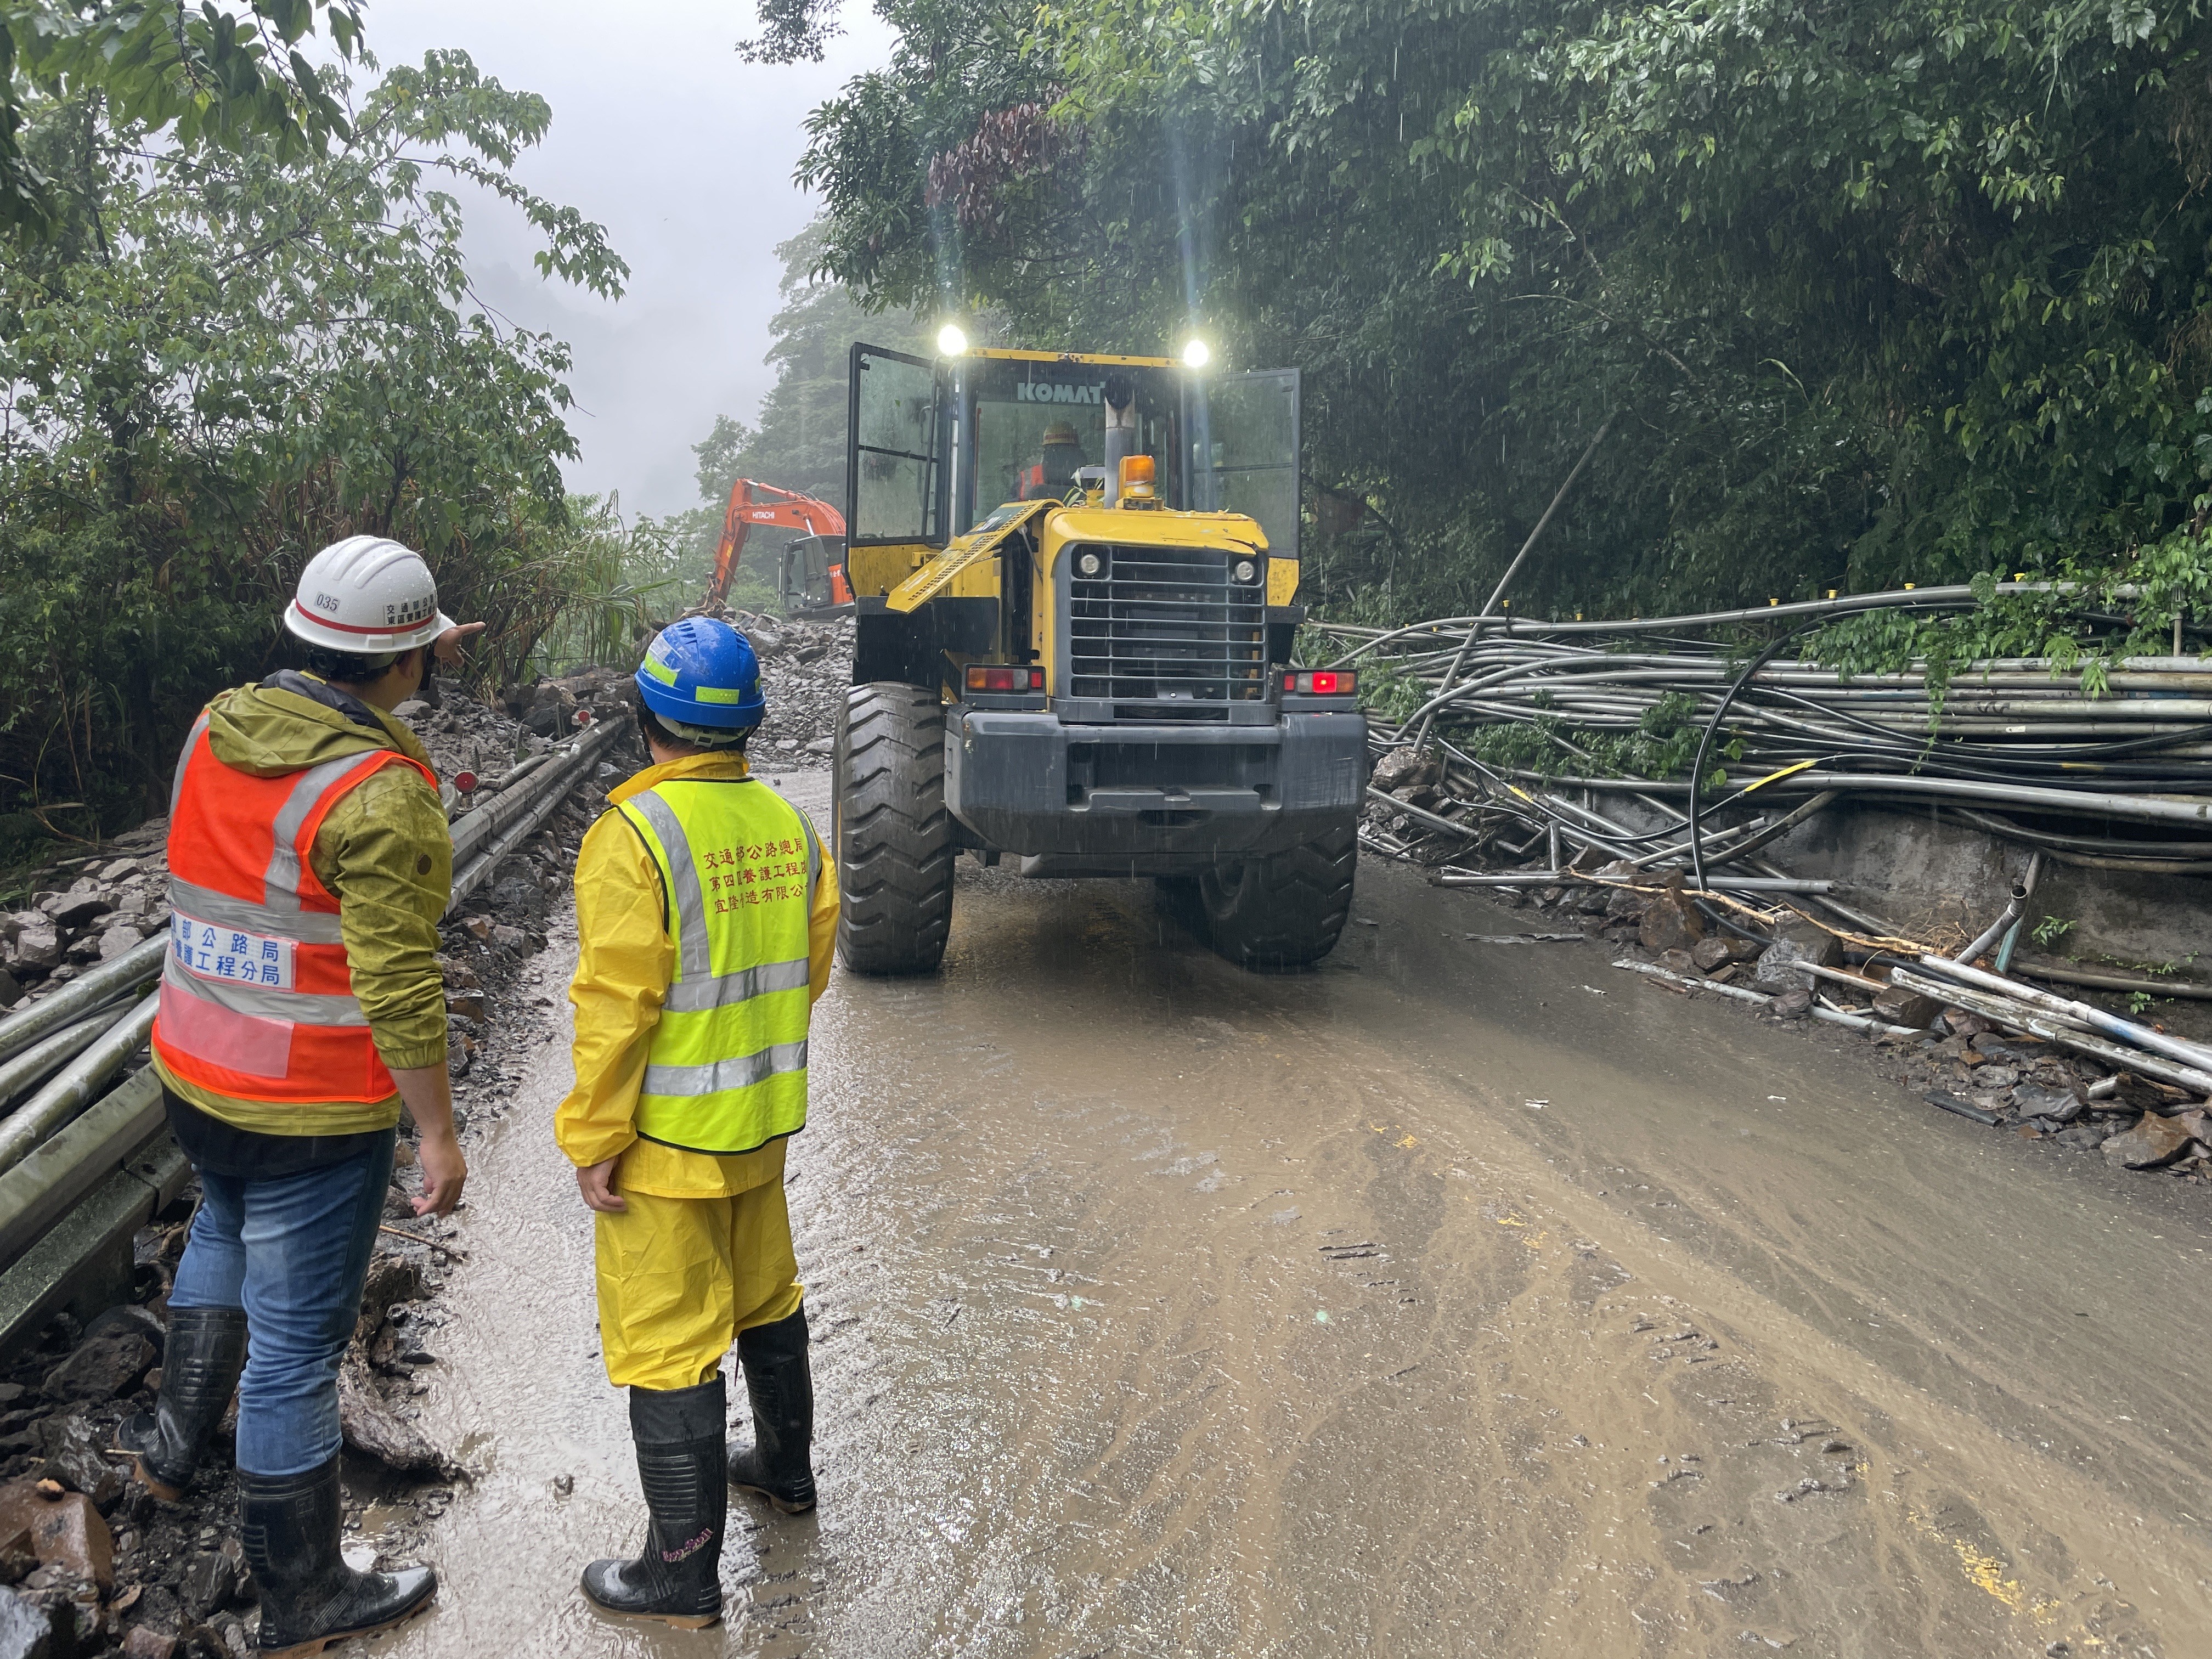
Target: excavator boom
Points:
(753, 503)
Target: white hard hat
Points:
(366, 594)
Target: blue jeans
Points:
(292, 1251)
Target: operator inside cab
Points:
(1053, 474)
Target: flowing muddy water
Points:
(1456, 1298)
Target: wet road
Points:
(1457, 1298)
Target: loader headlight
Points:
(952, 340)
(1091, 565)
(1245, 570)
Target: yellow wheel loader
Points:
(1074, 579)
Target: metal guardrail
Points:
(84, 1163)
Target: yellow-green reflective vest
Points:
(727, 1071)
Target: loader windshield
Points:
(1034, 423)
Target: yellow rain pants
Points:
(703, 1250)
(680, 1277)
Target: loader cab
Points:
(936, 445)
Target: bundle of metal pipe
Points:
(2029, 1009)
(2005, 740)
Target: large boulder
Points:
(102, 1368)
(76, 907)
(2049, 1106)
(1405, 766)
(2153, 1142)
(65, 1530)
(1796, 943)
(1671, 920)
(37, 948)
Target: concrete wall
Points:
(1945, 882)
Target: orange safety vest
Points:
(257, 1000)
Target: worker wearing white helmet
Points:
(302, 1003)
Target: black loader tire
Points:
(892, 835)
(1284, 911)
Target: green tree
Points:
(215, 361)
(205, 76)
(1879, 291)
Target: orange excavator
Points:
(812, 580)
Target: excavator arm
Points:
(753, 503)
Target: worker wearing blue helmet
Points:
(706, 913)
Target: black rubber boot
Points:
(200, 1362)
(677, 1577)
(779, 1465)
(309, 1597)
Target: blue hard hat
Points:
(702, 673)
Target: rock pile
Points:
(548, 710)
(84, 910)
(806, 668)
(90, 1561)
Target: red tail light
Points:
(986, 677)
(1321, 681)
(465, 783)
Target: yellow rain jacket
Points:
(386, 852)
(626, 958)
(703, 1250)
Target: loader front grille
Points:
(1166, 633)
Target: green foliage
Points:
(2048, 931)
(204, 77)
(1881, 293)
(2085, 622)
(215, 361)
(1663, 745)
(614, 579)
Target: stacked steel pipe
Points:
(2121, 780)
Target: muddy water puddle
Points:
(1441, 1302)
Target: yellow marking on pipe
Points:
(1795, 766)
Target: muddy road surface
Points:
(1455, 1299)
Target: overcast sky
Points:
(684, 153)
